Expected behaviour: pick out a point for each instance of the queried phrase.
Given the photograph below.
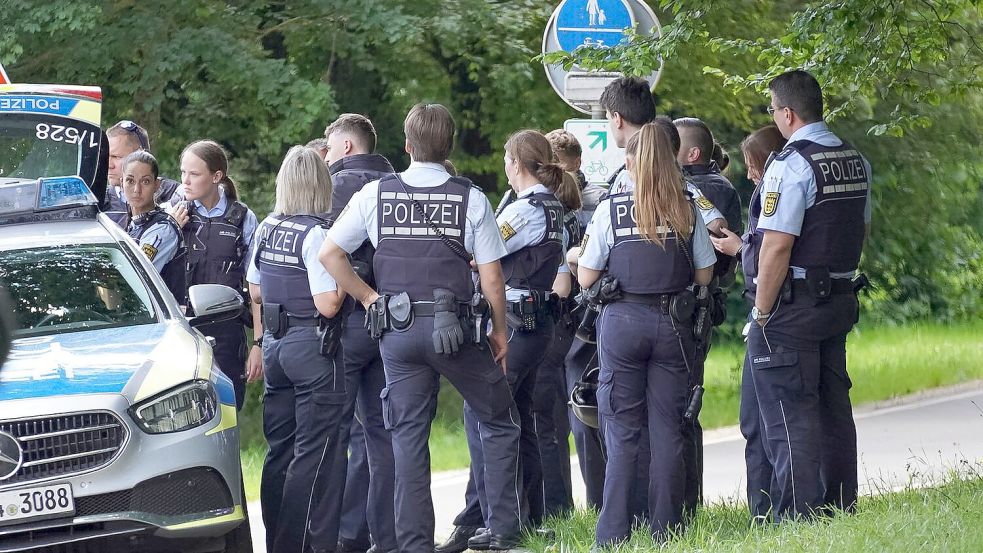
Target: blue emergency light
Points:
(23, 201)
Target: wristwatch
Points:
(757, 315)
(258, 341)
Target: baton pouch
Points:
(400, 311)
(274, 320)
(820, 284)
(329, 332)
(682, 307)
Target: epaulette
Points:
(790, 148)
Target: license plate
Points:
(35, 503)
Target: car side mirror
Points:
(212, 303)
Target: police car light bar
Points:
(27, 200)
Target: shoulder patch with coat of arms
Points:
(583, 243)
(770, 204)
(149, 251)
(703, 203)
(507, 231)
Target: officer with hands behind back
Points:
(807, 225)
(158, 235)
(426, 225)
(298, 308)
(653, 246)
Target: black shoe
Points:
(494, 542)
(348, 546)
(458, 540)
(377, 549)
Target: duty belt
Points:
(658, 300)
(294, 321)
(837, 286)
(426, 308)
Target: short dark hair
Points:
(799, 91)
(630, 97)
(697, 134)
(359, 127)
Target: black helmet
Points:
(583, 397)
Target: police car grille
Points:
(65, 445)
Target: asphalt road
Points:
(917, 440)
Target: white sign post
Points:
(601, 156)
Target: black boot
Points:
(458, 540)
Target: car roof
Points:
(43, 234)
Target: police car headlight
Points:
(183, 408)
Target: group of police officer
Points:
(445, 286)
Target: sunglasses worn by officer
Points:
(134, 129)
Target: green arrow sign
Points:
(602, 139)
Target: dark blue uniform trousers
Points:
(644, 382)
(413, 370)
(526, 352)
(364, 381)
(230, 353)
(587, 440)
(552, 425)
(302, 407)
(354, 530)
(797, 366)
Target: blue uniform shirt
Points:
(249, 223)
(159, 243)
(792, 178)
(359, 221)
(599, 239)
(528, 227)
(318, 277)
(708, 212)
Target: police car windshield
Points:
(38, 146)
(73, 288)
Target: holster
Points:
(329, 331)
(702, 320)
(377, 317)
(682, 307)
(274, 319)
(477, 323)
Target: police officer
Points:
(218, 236)
(426, 226)
(155, 231)
(654, 251)
(298, 307)
(350, 152)
(808, 223)
(532, 228)
(126, 137)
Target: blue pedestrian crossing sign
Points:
(595, 23)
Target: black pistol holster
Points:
(329, 332)
(275, 320)
(377, 317)
(477, 323)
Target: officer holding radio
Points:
(298, 307)
(427, 228)
(654, 250)
(807, 225)
(532, 228)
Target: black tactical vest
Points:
(752, 246)
(643, 267)
(116, 207)
(173, 273)
(216, 246)
(832, 233)
(280, 260)
(410, 255)
(534, 267)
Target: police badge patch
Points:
(583, 243)
(149, 251)
(507, 231)
(771, 203)
(703, 203)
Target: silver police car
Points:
(117, 430)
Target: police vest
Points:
(832, 233)
(173, 272)
(410, 255)
(643, 267)
(534, 266)
(216, 246)
(749, 254)
(571, 225)
(280, 260)
(116, 207)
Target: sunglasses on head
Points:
(133, 128)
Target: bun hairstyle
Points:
(720, 157)
(216, 160)
(531, 149)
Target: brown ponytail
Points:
(535, 154)
(215, 160)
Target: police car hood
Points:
(136, 361)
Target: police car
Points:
(117, 430)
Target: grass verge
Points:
(885, 362)
(943, 518)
